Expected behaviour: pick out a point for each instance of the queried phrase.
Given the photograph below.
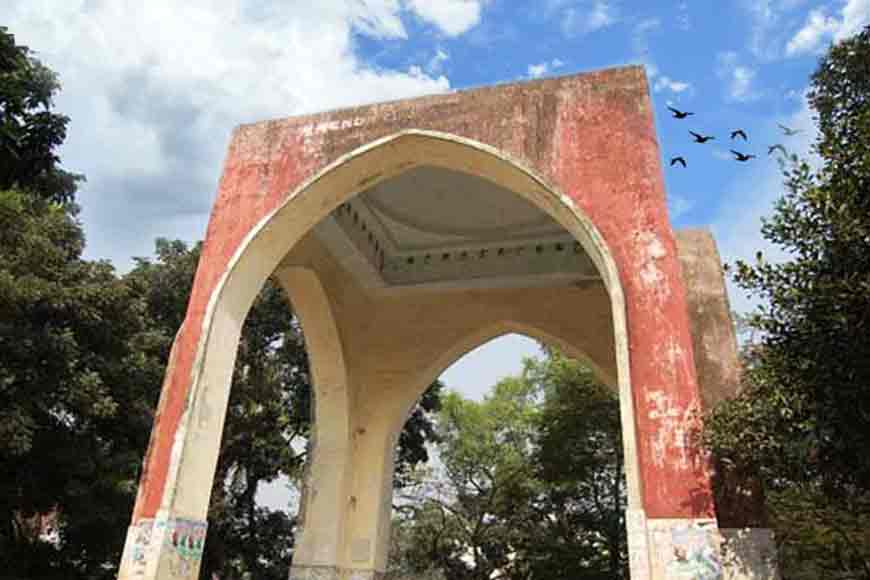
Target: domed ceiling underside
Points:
(436, 227)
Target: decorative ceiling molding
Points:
(387, 250)
(563, 260)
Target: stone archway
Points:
(281, 180)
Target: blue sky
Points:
(154, 88)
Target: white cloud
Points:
(658, 82)
(154, 89)
(538, 70)
(820, 28)
(377, 18)
(667, 83)
(764, 17)
(602, 14)
(739, 77)
(856, 15)
(453, 17)
(768, 25)
(640, 31)
(661, 82)
(436, 63)
(587, 17)
(809, 38)
(741, 83)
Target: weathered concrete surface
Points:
(332, 573)
(581, 148)
(713, 338)
(739, 497)
(749, 554)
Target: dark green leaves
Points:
(802, 423)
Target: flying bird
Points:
(679, 114)
(738, 133)
(738, 156)
(676, 160)
(700, 138)
(776, 147)
(789, 132)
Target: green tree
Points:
(803, 420)
(30, 131)
(466, 522)
(532, 483)
(70, 373)
(580, 463)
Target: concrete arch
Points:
(266, 243)
(282, 177)
(325, 352)
(331, 409)
(493, 331)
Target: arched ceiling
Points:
(434, 226)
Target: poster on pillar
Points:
(184, 540)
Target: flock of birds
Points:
(737, 133)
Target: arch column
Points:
(322, 510)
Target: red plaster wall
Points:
(590, 136)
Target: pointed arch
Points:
(262, 249)
(485, 334)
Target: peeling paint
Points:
(651, 251)
(671, 443)
(140, 550)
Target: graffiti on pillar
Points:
(695, 553)
(141, 545)
(184, 539)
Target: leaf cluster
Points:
(30, 132)
(530, 483)
(802, 422)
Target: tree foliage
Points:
(30, 131)
(531, 484)
(71, 376)
(803, 420)
(581, 464)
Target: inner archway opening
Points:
(417, 269)
(525, 479)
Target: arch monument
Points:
(406, 234)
